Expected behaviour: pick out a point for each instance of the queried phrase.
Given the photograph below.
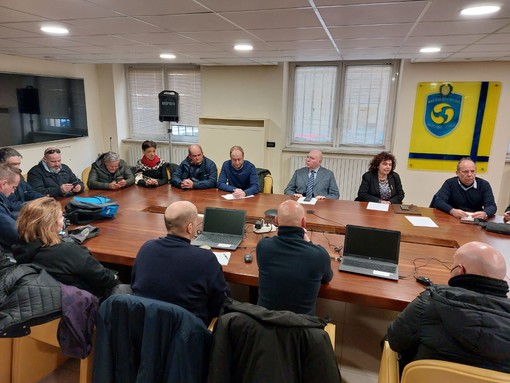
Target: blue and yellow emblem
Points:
(453, 120)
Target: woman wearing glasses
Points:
(39, 224)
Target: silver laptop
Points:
(371, 251)
(222, 228)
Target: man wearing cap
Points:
(51, 177)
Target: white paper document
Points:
(301, 200)
(378, 206)
(223, 257)
(421, 221)
(231, 196)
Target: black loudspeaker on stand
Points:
(168, 106)
(169, 111)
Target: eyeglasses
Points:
(51, 151)
(453, 268)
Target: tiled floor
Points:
(68, 372)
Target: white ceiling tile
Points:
(204, 31)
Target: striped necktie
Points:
(309, 185)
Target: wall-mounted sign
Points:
(453, 120)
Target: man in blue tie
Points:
(313, 180)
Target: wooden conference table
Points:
(430, 249)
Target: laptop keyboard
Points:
(218, 238)
(369, 265)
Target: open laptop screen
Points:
(224, 221)
(372, 243)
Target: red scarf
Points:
(150, 163)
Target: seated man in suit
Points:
(109, 172)
(321, 186)
(238, 176)
(196, 171)
(172, 270)
(466, 194)
(24, 192)
(51, 177)
(9, 180)
(467, 321)
(291, 268)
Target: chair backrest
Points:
(291, 347)
(153, 340)
(388, 370)
(427, 370)
(268, 184)
(85, 176)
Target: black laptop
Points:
(222, 228)
(371, 251)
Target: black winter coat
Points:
(28, 296)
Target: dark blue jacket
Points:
(24, 193)
(246, 178)
(8, 231)
(452, 196)
(291, 271)
(145, 340)
(172, 270)
(203, 176)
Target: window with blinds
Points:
(343, 105)
(144, 85)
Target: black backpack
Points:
(83, 210)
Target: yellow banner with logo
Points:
(453, 120)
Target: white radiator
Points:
(348, 172)
(179, 153)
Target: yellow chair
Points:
(435, 371)
(427, 370)
(36, 355)
(388, 370)
(85, 176)
(268, 184)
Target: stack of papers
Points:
(223, 257)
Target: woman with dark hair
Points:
(381, 183)
(39, 224)
(150, 170)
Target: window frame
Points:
(164, 70)
(337, 146)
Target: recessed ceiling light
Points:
(481, 10)
(167, 56)
(55, 30)
(430, 50)
(243, 47)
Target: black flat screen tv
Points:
(39, 108)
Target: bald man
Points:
(172, 270)
(467, 321)
(291, 268)
(196, 171)
(323, 183)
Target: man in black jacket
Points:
(51, 177)
(467, 321)
(291, 267)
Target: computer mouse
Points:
(423, 280)
(248, 258)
